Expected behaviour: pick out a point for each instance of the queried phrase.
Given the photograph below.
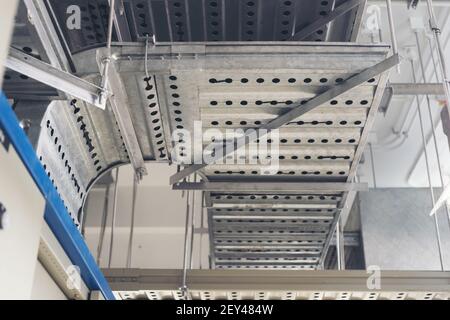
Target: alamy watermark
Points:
(73, 21)
(374, 279)
(373, 19)
(73, 281)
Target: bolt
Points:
(30, 18)
(4, 217)
(25, 124)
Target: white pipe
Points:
(113, 219)
(427, 165)
(339, 247)
(438, 157)
(391, 26)
(133, 213)
(441, 56)
(404, 124)
(107, 59)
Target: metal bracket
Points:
(54, 77)
(118, 102)
(417, 89)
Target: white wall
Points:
(399, 159)
(397, 232)
(159, 222)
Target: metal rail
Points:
(290, 285)
(119, 105)
(262, 187)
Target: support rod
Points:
(113, 219)
(340, 254)
(101, 237)
(427, 164)
(133, 213)
(186, 248)
(202, 226)
(392, 27)
(441, 56)
(438, 158)
(191, 251)
(372, 163)
(107, 60)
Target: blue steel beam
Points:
(55, 214)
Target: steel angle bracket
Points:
(118, 101)
(53, 77)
